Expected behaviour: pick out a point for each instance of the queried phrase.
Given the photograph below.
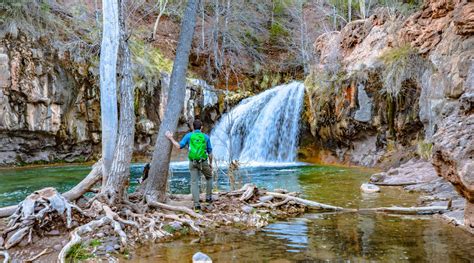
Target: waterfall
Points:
(262, 128)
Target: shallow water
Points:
(312, 237)
(333, 237)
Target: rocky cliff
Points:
(388, 89)
(50, 105)
(383, 84)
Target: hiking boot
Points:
(197, 208)
(209, 200)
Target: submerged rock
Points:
(369, 188)
(200, 257)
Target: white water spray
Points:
(262, 128)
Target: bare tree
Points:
(161, 9)
(157, 182)
(108, 88)
(117, 182)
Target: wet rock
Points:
(117, 247)
(200, 257)
(369, 188)
(414, 171)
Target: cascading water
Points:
(262, 128)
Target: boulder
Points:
(200, 257)
(369, 188)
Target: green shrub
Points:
(169, 229)
(77, 253)
(150, 57)
(277, 32)
(400, 64)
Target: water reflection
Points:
(294, 233)
(333, 237)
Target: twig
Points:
(408, 210)
(45, 251)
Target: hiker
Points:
(146, 169)
(200, 150)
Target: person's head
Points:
(197, 125)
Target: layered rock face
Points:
(388, 86)
(50, 104)
(382, 84)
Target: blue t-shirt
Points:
(187, 137)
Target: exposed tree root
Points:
(6, 256)
(76, 236)
(174, 208)
(36, 210)
(44, 252)
(177, 218)
(75, 193)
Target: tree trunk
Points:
(349, 10)
(117, 181)
(157, 181)
(108, 89)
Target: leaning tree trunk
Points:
(156, 183)
(117, 181)
(108, 89)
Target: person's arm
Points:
(209, 150)
(169, 135)
(210, 160)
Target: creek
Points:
(311, 236)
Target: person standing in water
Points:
(200, 160)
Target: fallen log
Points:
(308, 203)
(408, 210)
(77, 191)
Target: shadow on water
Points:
(311, 237)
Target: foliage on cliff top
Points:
(149, 57)
(400, 64)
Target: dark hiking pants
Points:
(196, 169)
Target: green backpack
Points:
(197, 147)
